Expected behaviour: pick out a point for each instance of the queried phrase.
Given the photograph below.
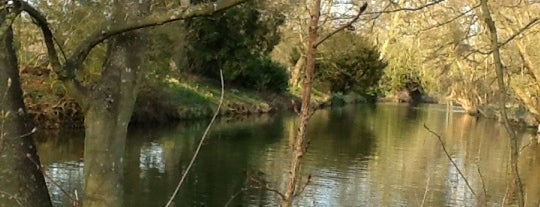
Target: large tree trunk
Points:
(21, 180)
(109, 111)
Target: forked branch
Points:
(452, 161)
(342, 27)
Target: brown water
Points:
(359, 156)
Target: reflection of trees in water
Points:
(151, 157)
(359, 156)
(66, 176)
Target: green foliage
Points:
(338, 99)
(238, 41)
(348, 62)
(266, 75)
(402, 78)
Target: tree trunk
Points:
(110, 107)
(21, 179)
(514, 145)
(299, 146)
(297, 70)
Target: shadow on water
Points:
(359, 156)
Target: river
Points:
(358, 156)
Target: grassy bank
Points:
(172, 100)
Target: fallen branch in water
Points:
(452, 161)
(171, 199)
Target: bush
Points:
(349, 62)
(338, 99)
(237, 41)
(260, 74)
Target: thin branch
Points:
(523, 29)
(108, 31)
(483, 181)
(235, 195)
(76, 59)
(499, 70)
(362, 9)
(29, 157)
(11, 196)
(262, 186)
(171, 199)
(451, 19)
(425, 191)
(305, 185)
(452, 161)
(532, 23)
(407, 9)
(8, 20)
(41, 21)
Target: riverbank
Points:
(171, 100)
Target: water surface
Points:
(358, 156)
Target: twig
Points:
(407, 9)
(11, 196)
(525, 146)
(520, 31)
(452, 161)
(305, 185)
(29, 157)
(483, 182)
(451, 19)
(362, 9)
(262, 186)
(235, 195)
(425, 191)
(200, 142)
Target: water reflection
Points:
(151, 157)
(359, 156)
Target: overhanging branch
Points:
(362, 9)
(76, 59)
(451, 19)
(532, 23)
(407, 9)
(12, 12)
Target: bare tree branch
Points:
(450, 20)
(499, 70)
(483, 182)
(66, 73)
(12, 13)
(452, 161)
(362, 9)
(63, 74)
(532, 23)
(106, 32)
(407, 9)
(184, 175)
(53, 182)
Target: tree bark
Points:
(514, 145)
(300, 142)
(21, 180)
(297, 70)
(299, 146)
(109, 111)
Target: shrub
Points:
(259, 74)
(349, 62)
